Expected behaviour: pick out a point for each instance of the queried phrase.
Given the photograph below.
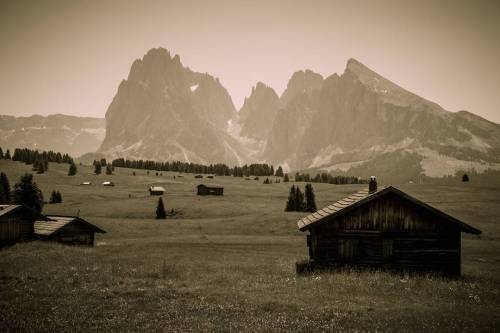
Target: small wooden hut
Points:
(156, 190)
(210, 190)
(387, 229)
(16, 223)
(67, 229)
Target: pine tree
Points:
(272, 171)
(59, 197)
(7, 155)
(279, 172)
(160, 210)
(1, 153)
(285, 178)
(465, 178)
(53, 197)
(5, 188)
(97, 167)
(26, 192)
(299, 200)
(310, 199)
(40, 167)
(109, 169)
(290, 203)
(72, 169)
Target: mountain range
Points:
(62, 133)
(357, 123)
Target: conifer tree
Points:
(310, 199)
(7, 155)
(160, 210)
(299, 200)
(109, 169)
(285, 178)
(4, 189)
(1, 153)
(55, 197)
(272, 170)
(465, 178)
(290, 203)
(27, 192)
(97, 167)
(72, 169)
(279, 172)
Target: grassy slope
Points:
(226, 263)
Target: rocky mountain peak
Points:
(303, 81)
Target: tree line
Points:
(329, 179)
(219, 169)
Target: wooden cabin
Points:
(67, 230)
(385, 229)
(210, 190)
(156, 190)
(16, 223)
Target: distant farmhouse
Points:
(107, 183)
(384, 228)
(19, 223)
(156, 190)
(210, 190)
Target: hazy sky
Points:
(69, 56)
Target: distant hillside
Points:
(67, 134)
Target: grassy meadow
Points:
(227, 263)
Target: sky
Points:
(70, 56)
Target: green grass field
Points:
(227, 263)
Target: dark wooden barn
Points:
(210, 190)
(67, 229)
(16, 223)
(386, 229)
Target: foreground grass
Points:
(227, 264)
(50, 287)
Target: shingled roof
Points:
(6, 209)
(47, 228)
(359, 198)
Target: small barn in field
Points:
(67, 230)
(16, 223)
(156, 190)
(384, 228)
(209, 190)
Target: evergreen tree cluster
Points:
(97, 167)
(218, 169)
(29, 156)
(55, 197)
(299, 202)
(6, 155)
(4, 189)
(72, 169)
(279, 172)
(329, 179)
(26, 192)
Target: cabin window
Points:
(348, 248)
(387, 247)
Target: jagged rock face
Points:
(65, 134)
(301, 82)
(359, 116)
(258, 112)
(165, 111)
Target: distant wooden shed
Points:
(210, 190)
(385, 228)
(156, 190)
(16, 223)
(67, 229)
